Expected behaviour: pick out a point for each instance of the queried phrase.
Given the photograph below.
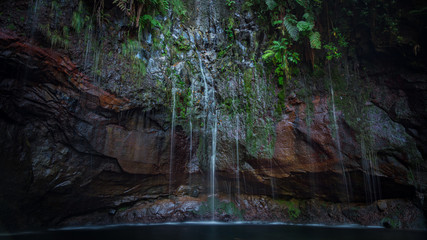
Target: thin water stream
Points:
(210, 127)
(337, 138)
(172, 137)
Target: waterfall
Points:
(172, 137)
(272, 180)
(210, 127)
(35, 16)
(191, 130)
(337, 138)
(213, 156)
(237, 158)
(369, 164)
(338, 142)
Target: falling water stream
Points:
(338, 142)
(211, 123)
(172, 136)
(237, 158)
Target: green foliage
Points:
(134, 68)
(335, 47)
(142, 13)
(314, 38)
(79, 19)
(271, 4)
(292, 206)
(150, 21)
(229, 30)
(290, 24)
(56, 38)
(183, 97)
(11, 27)
(391, 222)
(225, 50)
(293, 209)
(178, 8)
(280, 54)
(230, 4)
(332, 51)
(183, 44)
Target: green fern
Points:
(178, 7)
(290, 23)
(152, 21)
(271, 4)
(308, 24)
(304, 26)
(122, 4)
(303, 3)
(315, 40)
(78, 20)
(267, 55)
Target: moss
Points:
(292, 206)
(11, 27)
(221, 207)
(392, 222)
(182, 44)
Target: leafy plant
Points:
(290, 24)
(334, 48)
(78, 20)
(56, 37)
(142, 12)
(230, 4)
(280, 54)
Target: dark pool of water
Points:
(199, 231)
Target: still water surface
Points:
(208, 231)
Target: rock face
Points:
(72, 153)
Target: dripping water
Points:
(34, 17)
(369, 164)
(338, 142)
(237, 159)
(213, 156)
(172, 137)
(272, 181)
(191, 131)
(210, 123)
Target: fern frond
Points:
(289, 21)
(303, 3)
(271, 4)
(305, 26)
(122, 5)
(308, 16)
(315, 40)
(267, 54)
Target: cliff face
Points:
(84, 143)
